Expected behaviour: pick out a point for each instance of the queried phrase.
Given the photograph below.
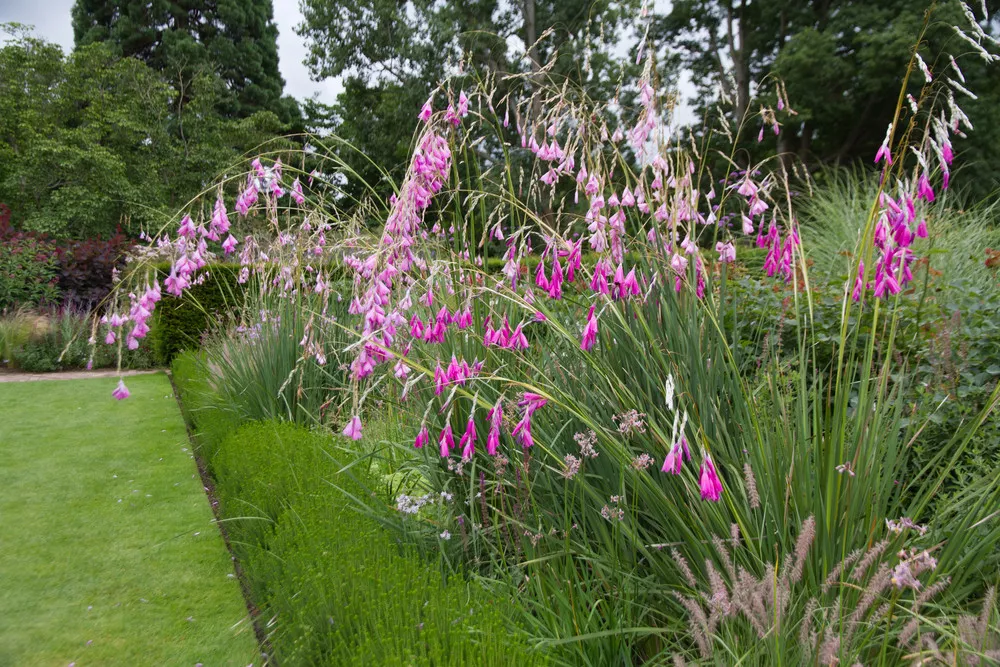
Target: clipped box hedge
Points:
(334, 586)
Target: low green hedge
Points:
(180, 323)
(339, 588)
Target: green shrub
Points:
(200, 406)
(181, 323)
(61, 342)
(339, 588)
(184, 323)
(29, 271)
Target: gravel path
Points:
(69, 375)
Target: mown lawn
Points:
(108, 553)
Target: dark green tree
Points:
(82, 139)
(91, 141)
(393, 55)
(235, 39)
(842, 62)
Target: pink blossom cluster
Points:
(561, 162)
(190, 251)
(505, 337)
(892, 240)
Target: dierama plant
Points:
(623, 349)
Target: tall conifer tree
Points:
(235, 39)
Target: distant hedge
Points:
(181, 323)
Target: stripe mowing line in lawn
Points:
(108, 553)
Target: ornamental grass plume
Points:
(817, 625)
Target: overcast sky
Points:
(52, 22)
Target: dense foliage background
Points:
(159, 99)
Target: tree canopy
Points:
(90, 141)
(235, 39)
(393, 54)
(841, 62)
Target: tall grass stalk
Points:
(259, 366)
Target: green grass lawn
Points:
(108, 552)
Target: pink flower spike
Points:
(727, 252)
(747, 187)
(297, 192)
(517, 339)
(924, 189)
(495, 415)
(229, 245)
(532, 401)
(416, 326)
(468, 441)
(540, 279)
(440, 380)
(522, 432)
(447, 441)
(859, 283)
(555, 283)
(589, 332)
(674, 461)
(353, 428)
(426, 112)
(187, 228)
(689, 246)
(883, 152)
(422, 438)
(708, 481)
(679, 263)
(922, 229)
(493, 441)
(220, 220)
(453, 373)
(121, 391)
